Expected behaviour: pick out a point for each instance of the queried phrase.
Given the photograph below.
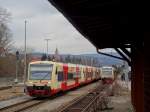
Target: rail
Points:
(6, 87)
(21, 106)
(96, 104)
(89, 102)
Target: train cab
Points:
(39, 78)
(107, 73)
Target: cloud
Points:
(20, 8)
(44, 21)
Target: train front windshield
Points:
(107, 71)
(40, 71)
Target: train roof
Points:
(107, 67)
(60, 63)
(44, 62)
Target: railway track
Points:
(25, 105)
(6, 87)
(22, 105)
(76, 105)
(86, 103)
(9, 87)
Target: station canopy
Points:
(105, 23)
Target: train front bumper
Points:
(38, 91)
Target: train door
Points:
(97, 73)
(92, 74)
(94, 77)
(82, 79)
(65, 73)
(54, 83)
(80, 75)
(77, 76)
(59, 76)
(71, 78)
(86, 74)
(113, 74)
(100, 75)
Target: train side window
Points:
(79, 74)
(60, 76)
(70, 76)
(84, 74)
(56, 71)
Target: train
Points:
(108, 74)
(46, 78)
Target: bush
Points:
(8, 66)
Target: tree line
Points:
(83, 60)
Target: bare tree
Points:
(5, 34)
(5, 16)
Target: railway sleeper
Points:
(93, 101)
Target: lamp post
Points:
(25, 55)
(47, 45)
(17, 59)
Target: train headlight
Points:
(34, 87)
(46, 87)
(49, 82)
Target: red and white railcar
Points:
(46, 78)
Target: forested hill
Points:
(98, 58)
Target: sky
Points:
(44, 22)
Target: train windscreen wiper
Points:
(44, 77)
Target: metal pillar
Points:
(47, 45)
(25, 56)
(137, 79)
(16, 79)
